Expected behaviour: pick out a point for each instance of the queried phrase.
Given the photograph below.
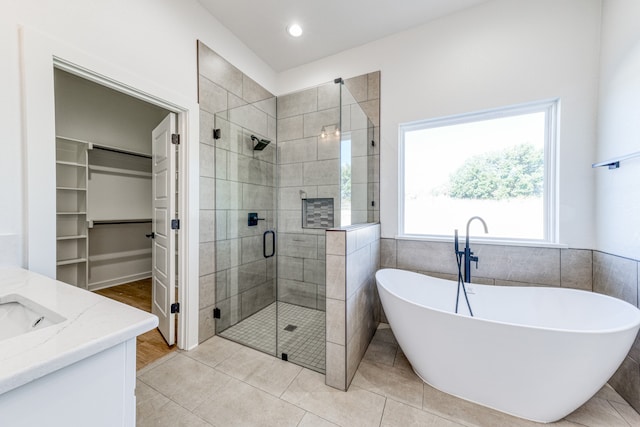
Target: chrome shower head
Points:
(260, 143)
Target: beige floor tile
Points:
(399, 384)
(627, 412)
(155, 410)
(381, 352)
(214, 351)
(312, 420)
(401, 361)
(156, 363)
(597, 412)
(185, 381)
(260, 370)
(384, 334)
(607, 392)
(397, 414)
(357, 407)
(471, 414)
(239, 404)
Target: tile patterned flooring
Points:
(304, 345)
(221, 383)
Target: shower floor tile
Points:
(300, 333)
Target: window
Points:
(498, 164)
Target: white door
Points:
(164, 238)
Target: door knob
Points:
(151, 236)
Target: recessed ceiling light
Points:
(294, 30)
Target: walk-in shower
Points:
(275, 196)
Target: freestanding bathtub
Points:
(533, 352)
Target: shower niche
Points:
(278, 174)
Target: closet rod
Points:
(119, 221)
(118, 150)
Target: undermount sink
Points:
(20, 315)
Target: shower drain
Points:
(290, 328)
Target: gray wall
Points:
(353, 257)
(234, 180)
(528, 266)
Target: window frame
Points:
(551, 108)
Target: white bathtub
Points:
(533, 352)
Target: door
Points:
(164, 238)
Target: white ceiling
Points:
(330, 26)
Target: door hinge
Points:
(175, 308)
(216, 313)
(175, 224)
(175, 138)
(216, 134)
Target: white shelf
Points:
(71, 213)
(74, 164)
(71, 188)
(76, 237)
(72, 139)
(71, 261)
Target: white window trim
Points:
(551, 147)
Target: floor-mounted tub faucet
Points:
(468, 257)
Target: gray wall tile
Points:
(373, 85)
(207, 160)
(219, 71)
(213, 98)
(252, 91)
(207, 225)
(298, 150)
(576, 269)
(426, 256)
(324, 172)
(295, 104)
(388, 253)
(358, 86)
(615, 276)
(519, 264)
(313, 122)
(291, 128)
(207, 258)
(336, 321)
(328, 96)
(207, 294)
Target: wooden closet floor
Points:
(150, 345)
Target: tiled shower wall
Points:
(234, 180)
(521, 266)
(309, 167)
(353, 257)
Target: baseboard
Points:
(118, 281)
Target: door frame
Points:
(39, 55)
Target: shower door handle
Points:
(264, 244)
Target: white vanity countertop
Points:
(93, 323)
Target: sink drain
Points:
(290, 328)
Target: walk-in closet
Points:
(103, 165)
(104, 203)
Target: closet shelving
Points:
(71, 211)
(98, 186)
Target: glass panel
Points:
(245, 220)
(309, 203)
(358, 163)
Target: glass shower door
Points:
(245, 209)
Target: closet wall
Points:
(104, 194)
